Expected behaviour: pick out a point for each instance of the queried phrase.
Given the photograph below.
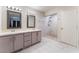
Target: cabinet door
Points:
(6, 44)
(18, 42)
(34, 37)
(39, 36)
(27, 43)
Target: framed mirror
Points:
(13, 19)
(30, 21)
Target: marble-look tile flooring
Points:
(50, 45)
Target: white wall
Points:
(0, 19)
(25, 11)
(77, 27)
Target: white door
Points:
(68, 28)
(78, 26)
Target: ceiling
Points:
(46, 8)
(42, 8)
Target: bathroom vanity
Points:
(14, 41)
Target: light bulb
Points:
(8, 7)
(19, 9)
(13, 8)
(16, 8)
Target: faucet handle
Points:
(12, 30)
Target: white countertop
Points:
(17, 32)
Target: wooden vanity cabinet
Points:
(27, 39)
(31, 38)
(6, 44)
(15, 42)
(11, 43)
(36, 37)
(18, 42)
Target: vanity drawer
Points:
(26, 44)
(27, 34)
(18, 35)
(28, 38)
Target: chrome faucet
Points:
(12, 30)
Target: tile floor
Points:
(50, 45)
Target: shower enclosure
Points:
(50, 25)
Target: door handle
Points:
(62, 28)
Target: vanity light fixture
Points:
(13, 9)
(8, 7)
